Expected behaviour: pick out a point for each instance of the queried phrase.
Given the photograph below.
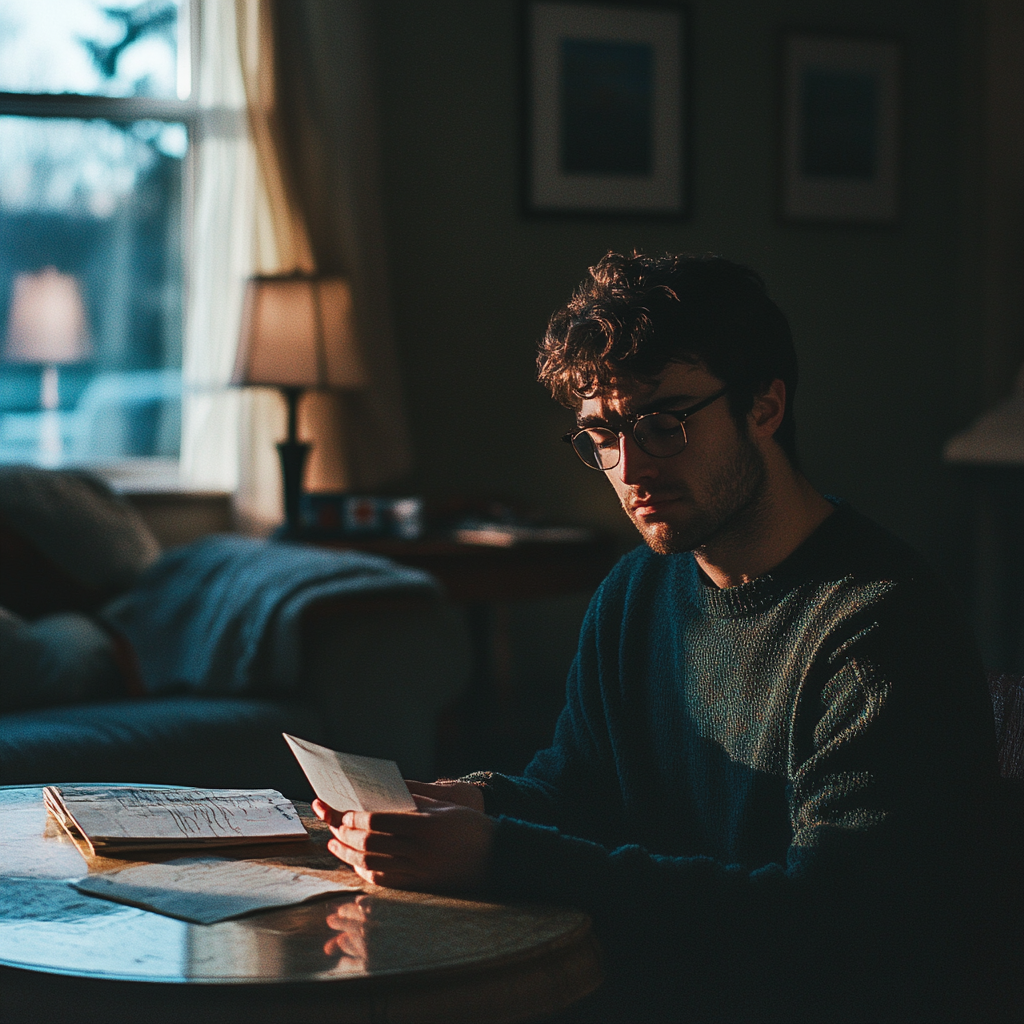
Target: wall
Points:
(181, 517)
(881, 314)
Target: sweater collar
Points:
(769, 588)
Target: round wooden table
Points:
(406, 956)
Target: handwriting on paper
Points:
(350, 782)
(117, 816)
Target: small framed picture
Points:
(605, 105)
(840, 128)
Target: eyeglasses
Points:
(659, 434)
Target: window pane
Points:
(90, 289)
(92, 47)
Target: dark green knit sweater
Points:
(767, 796)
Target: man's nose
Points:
(634, 463)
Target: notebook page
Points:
(186, 815)
(210, 889)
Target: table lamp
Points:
(47, 326)
(996, 438)
(297, 334)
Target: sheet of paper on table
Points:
(135, 818)
(349, 782)
(210, 889)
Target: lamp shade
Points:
(297, 332)
(995, 438)
(47, 322)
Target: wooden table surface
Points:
(67, 956)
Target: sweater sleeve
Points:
(870, 767)
(874, 796)
(558, 823)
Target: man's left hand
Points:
(439, 847)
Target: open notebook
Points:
(119, 819)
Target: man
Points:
(766, 782)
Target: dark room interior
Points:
(406, 176)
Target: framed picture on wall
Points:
(604, 109)
(840, 128)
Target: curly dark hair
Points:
(635, 314)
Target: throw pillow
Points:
(67, 542)
(59, 659)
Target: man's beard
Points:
(733, 507)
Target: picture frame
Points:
(605, 109)
(840, 129)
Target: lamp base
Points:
(293, 455)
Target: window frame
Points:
(199, 123)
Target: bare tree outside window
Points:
(95, 126)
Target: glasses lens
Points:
(660, 434)
(598, 448)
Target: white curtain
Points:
(247, 219)
(227, 434)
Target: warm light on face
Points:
(681, 502)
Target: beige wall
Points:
(884, 318)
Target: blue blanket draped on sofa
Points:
(222, 616)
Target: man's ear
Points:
(767, 411)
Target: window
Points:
(96, 121)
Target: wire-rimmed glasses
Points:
(659, 434)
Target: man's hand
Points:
(442, 846)
(352, 923)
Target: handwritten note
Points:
(136, 817)
(210, 889)
(349, 782)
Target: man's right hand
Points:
(441, 846)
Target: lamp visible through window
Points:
(297, 334)
(47, 326)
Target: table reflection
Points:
(47, 925)
(352, 923)
(294, 942)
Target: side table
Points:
(482, 573)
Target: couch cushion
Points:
(56, 660)
(192, 741)
(67, 542)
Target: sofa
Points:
(120, 662)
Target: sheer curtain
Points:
(232, 238)
(286, 178)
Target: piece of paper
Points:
(130, 817)
(210, 889)
(349, 782)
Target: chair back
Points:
(1007, 692)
